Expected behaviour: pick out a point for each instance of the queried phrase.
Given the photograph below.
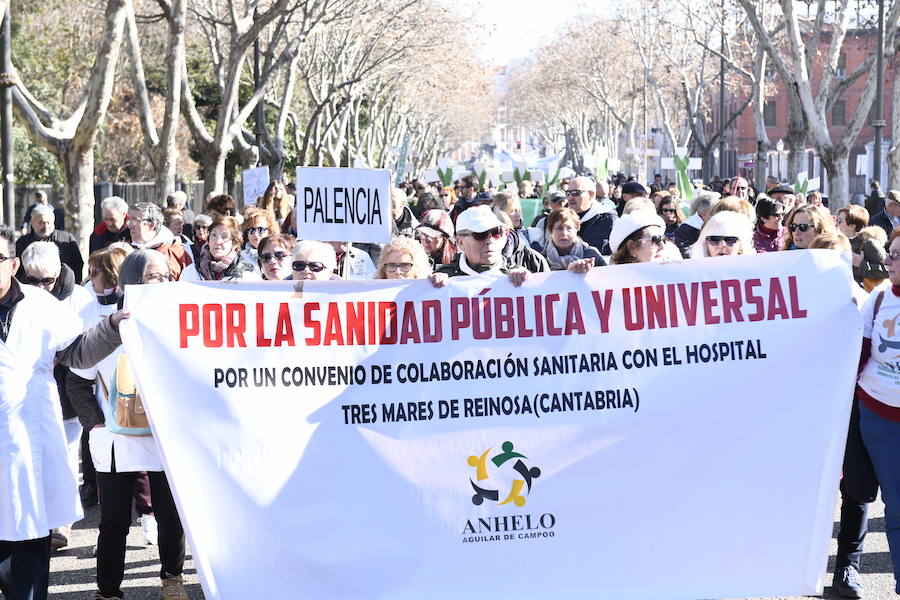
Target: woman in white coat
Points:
(37, 488)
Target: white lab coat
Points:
(38, 491)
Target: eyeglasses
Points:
(315, 267)
(803, 227)
(257, 230)
(219, 237)
(574, 193)
(730, 240)
(201, 228)
(668, 211)
(496, 233)
(40, 281)
(780, 215)
(6, 258)
(402, 267)
(157, 277)
(279, 256)
(658, 240)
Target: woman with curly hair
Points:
(403, 258)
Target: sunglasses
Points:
(279, 256)
(780, 215)
(803, 227)
(574, 193)
(496, 233)
(42, 281)
(715, 240)
(315, 267)
(658, 240)
(402, 267)
(257, 230)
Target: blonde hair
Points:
(733, 204)
(421, 265)
(820, 219)
(832, 240)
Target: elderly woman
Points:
(437, 235)
(313, 261)
(511, 205)
(565, 250)
(638, 237)
(804, 223)
(878, 399)
(258, 224)
(220, 258)
(769, 233)
(44, 269)
(121, 452)
(726, 233)
(173, 219)
(403, 258)
(201, 234)
(275, 255)
(145, 222)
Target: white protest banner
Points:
(254, 183)
(338, 204)
(643, 431)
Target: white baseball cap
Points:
(477, 219)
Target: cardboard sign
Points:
(337, 204)
(254, 183)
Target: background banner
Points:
(644, 431)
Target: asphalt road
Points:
(72, 568)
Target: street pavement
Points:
(72, 568)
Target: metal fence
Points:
(132, 193)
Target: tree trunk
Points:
(78, 166)
(214, 171)
(837, 165)
(893, 156)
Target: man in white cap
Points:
(481, 237)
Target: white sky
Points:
(519, 26)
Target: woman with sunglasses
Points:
(878, 397)
(769, 233)
(805, 223)
(220, 258)
(725, 233)
(313, 261)
(257, 224)
(275, 256)
(638, 237)
(667, 209)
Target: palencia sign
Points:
(347, 205)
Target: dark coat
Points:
(103, 237)
(883, 220)
(69, 254)
(595, 231)
(686, 236)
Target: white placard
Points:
(338, 204)
(254, 183)
(667, 162)
(537, 176)
(615, 164)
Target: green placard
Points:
(531, 207)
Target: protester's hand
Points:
(518, 276)
(117, 317)
(857, 258)
(582, 265)
(438, 280)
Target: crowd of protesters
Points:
(438, 232)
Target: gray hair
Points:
(7, 233)
(114, 203)
(136, 263)
(174, 197)
(150, 211)
(43, 210)
(703, 200)
(203, 220)
(305, 246)
(42, 257)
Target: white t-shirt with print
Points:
(880, 378)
